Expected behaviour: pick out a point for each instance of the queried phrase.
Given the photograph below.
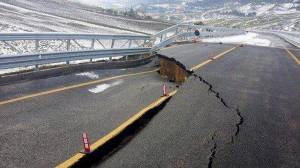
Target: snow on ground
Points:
(246, 8)
(62, 16)
(263, 9)
(14, 17)
(289, 27)
(285, 8)
(267, 8)
(66, 16)
(102, 87)
(91, 75)
(248, 38)
(287, 5)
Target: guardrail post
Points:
(37, 45)
(68, 45)
(93, 44)
(112, 46)
(112, 43)
(130, 42)
(144, 42)
(36, 67)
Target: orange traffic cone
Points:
(86, 144)
(165, 91)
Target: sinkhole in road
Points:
(172, 70)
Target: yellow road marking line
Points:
(293, 56)
(116, 131)
(200, 65)
(72, 87)
(215, 57)
(71, 161)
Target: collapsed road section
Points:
(167, 68)
(256, 128)
(233, 109)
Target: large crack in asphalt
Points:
(101, 154)
(211, 89)
(241, 121)
(212, 156)
(216, 94)
(213, 151)
(222, 101)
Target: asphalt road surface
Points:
(265, 85)
(45, 130)
(195, 53)
(239, 110)
(244, 113)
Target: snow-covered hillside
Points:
(262, 14)
(67, 16)
(268, 8)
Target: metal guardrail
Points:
(186, 30)
(48, 58)
(20, 43)
(172, 39)
(128, 44)
(290, 37)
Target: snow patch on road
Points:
(91, 75)
(248, 38)
(102, 87)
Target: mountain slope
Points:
(261, 14)
(66, 16)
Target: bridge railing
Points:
(291, 37)
(48, 48)
(19, 43)
(186, 31)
